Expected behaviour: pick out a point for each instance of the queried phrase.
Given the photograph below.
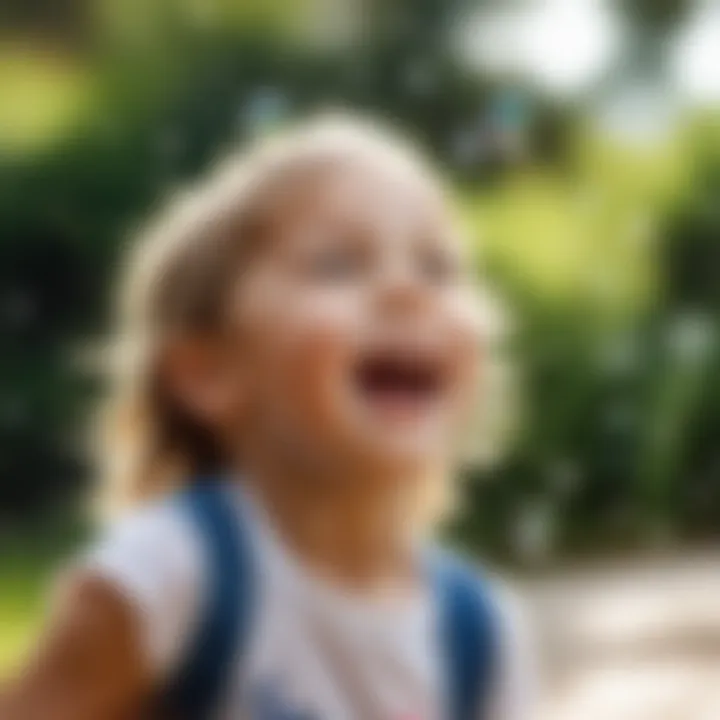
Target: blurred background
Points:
(583, 138)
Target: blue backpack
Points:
(468, 619)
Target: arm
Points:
(89, 663)
(119, 624)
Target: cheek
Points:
(468, 374)
(467, 341)
(303, 349)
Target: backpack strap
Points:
(224, 622)
(469, 636)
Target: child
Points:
(301, 341)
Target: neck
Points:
(355, 530)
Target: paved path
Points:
(639, 641)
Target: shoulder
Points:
(515, 686)
(510, 607)
(503, 614)
(155, 546)
(153, 559)
(499, 598)
(481, 586)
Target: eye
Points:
(439, 264)
(335, 263)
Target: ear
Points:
(202, 378)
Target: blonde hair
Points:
(177, 279)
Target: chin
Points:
(404, 457)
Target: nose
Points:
(400, 287)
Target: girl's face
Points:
(358, 325)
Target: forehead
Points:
(371, 191)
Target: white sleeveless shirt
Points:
(314, 652)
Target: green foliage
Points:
(160, 113)
(606, 257)
(620, 399)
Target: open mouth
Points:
(403, 381)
